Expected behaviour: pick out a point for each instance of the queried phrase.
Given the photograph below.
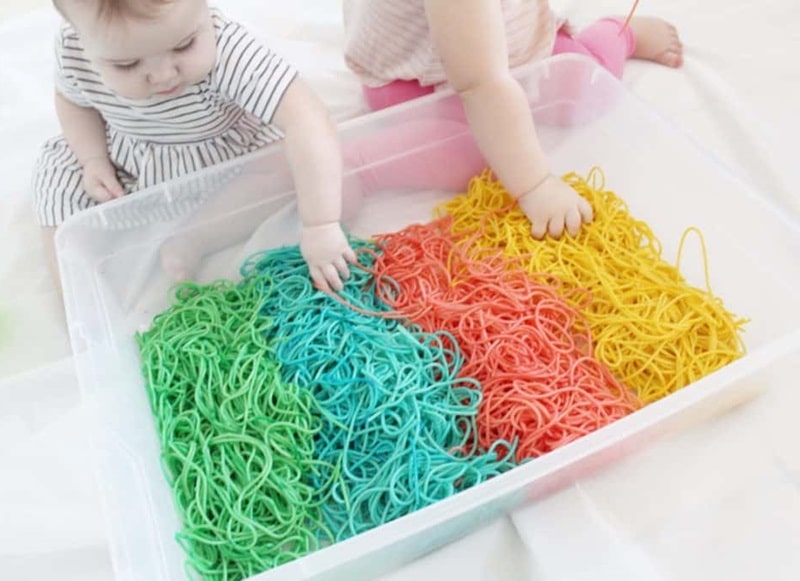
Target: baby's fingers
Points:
(341, 266)
(319, 279)
(573, 221)
(111, 184)
(98, 192)
(556, 226)
(115, 188)
(538, 227)
(350, 255)
(331, 275)
(585, 209)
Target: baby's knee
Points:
(57, 184)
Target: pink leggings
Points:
(601, 41)
(451, 165)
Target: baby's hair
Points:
(108, 10)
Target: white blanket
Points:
(736, 96)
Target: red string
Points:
(630, 16)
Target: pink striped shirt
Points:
(387, 40)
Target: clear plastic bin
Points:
(113, 286)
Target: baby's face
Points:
(150, 58)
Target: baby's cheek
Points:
(201, 62)
(128, 86)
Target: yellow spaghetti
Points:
(653, 330)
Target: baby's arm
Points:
(85, 132)
(314, 155)
(470, 37)
(266, 86)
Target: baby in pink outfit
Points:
(403, 49)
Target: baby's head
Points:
(145, 49)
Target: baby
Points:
(150, 90)
(402, 49)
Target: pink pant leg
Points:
(427, 153)
(601, 41)
(394, 93)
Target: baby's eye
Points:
(185, 46)
(126, 66)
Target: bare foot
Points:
(657, 41)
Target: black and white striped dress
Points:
(226, 115)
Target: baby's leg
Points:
(394, 93)
(606, 41)
(233, 207)
(434, 153)
(58, 184)
(49, 247)
(601, 41)
(58, 194)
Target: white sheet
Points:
(736, 96)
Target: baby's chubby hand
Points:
(327, 252)
(100, 180)
(553, 206)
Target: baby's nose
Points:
(162, 72)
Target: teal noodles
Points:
(237, 440)
(398, 426)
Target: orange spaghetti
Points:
(531, 351)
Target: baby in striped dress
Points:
(150, 90)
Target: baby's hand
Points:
(100, 180)
(327, 252)
(553, 205)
